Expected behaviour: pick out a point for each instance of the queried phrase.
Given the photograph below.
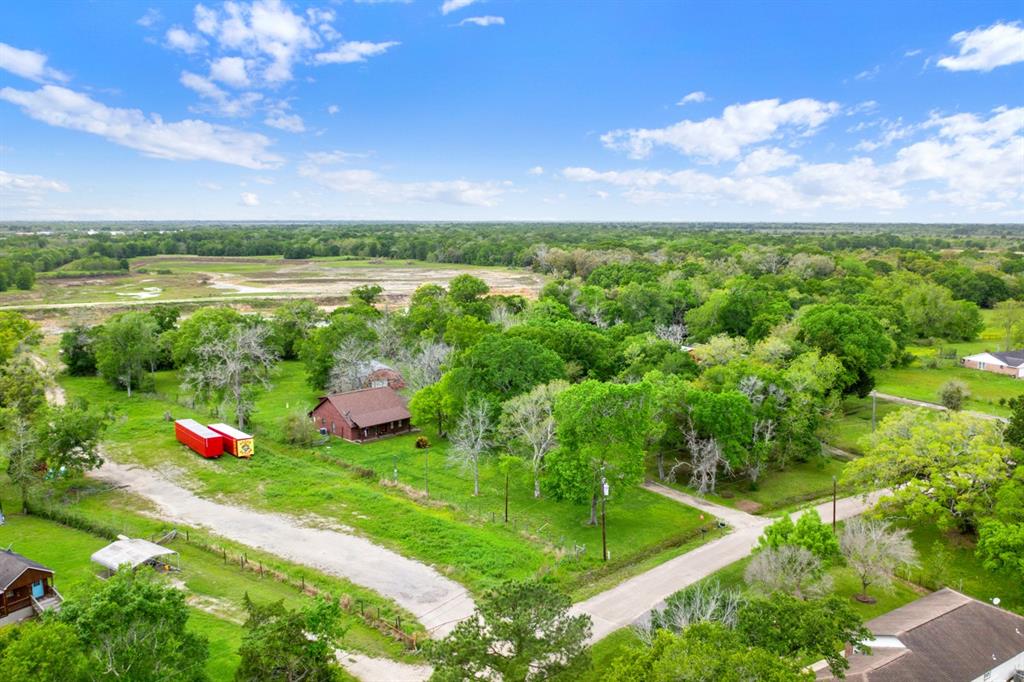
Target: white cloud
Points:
(28, 64)
(354, 51)
(869, 74)
(150, 18)
(290, 122)
(180, 39)
(969, 161)
(536, 170)
(721, 139)
(333, 109)
(695, 97)
(249, 199)
(188, 139)
(29, 184)
(449, 6)
(224, 104)
(212, 186)
(892, 131)
(483, 21)
(765, 160)
(262, 180)
(334, 157)
(913, 53)
(230, 70)
(371, 185)
(984, 49)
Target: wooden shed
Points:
(362, 415)
(206, 442)
(26, 588)
(238, 443)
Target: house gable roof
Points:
(12, 565)
(369, 406)
(943, 636)
(1010, 358)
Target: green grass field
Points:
(848, 431)
(215, 589)
(921, 383)
(462, 534)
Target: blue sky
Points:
(513, 110)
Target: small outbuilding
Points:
(366, 414)
(133, 552)
(26, 588)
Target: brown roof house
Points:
(945, 636)
(26, 588)
(376, 374)
(366, 414)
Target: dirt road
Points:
(437, 602)
(933, 406)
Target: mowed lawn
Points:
(464, 536)
(848, 431)
(921, 383)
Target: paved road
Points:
(437, 602)
(630, 601)
(934, 406)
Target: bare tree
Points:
(470, 440)
(675, 333)
(787, 568)
(389, 340)
(703, 602)
(504, 317)
(705, 460)
(528, 420)
(350, 365)
(233, 368)
(874, 550)
(427, 365)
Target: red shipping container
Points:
(236, 442)
(206, 442)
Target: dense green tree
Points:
(941, 467)
(126, 348)
(16, 332)
(520, 631)
(282, 645)
(166, 316)
(317, 352)
(134, 627)
(78, 349)
(367, 293)
(953, 394)
(69, 436)
(852, 335)
(41, 651)
(603, 431)
(499, 367)
(202, 325)
(1001, 547)
(467, 292)
(292, 324)
(464, 331)
(22, 386)
(586, 351)
(808, 532)
(705, 652)
(1014, 431)
(931, 312)
(19, 447)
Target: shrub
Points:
(299, 429)
(422, 442)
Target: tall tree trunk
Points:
(536, 484)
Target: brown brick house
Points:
(362, 415)
(377, 374)
(1010, 363)
(26, 588)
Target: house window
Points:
(364, 433)
(981, 365)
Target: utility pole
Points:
(834, 490)
(604, 525)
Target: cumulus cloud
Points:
(231, 71)
(483, 21)
(354, 51)
(372, 185)
(151, 18)
(28, 64)
(723, 138)
(334, 157)
(695, 97)
(290, 122)
(29, 184)
(220, 101)
(984, 49)
(188, 139)
(249, 199)
(536, 170)
(180, 39)
(967, 160)
(449, 6)
(333, 109)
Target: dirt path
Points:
(630, 601)
(934, 406)
(54, 392)
(437, 602)
(371, 669)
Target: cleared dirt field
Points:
(182, 279)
